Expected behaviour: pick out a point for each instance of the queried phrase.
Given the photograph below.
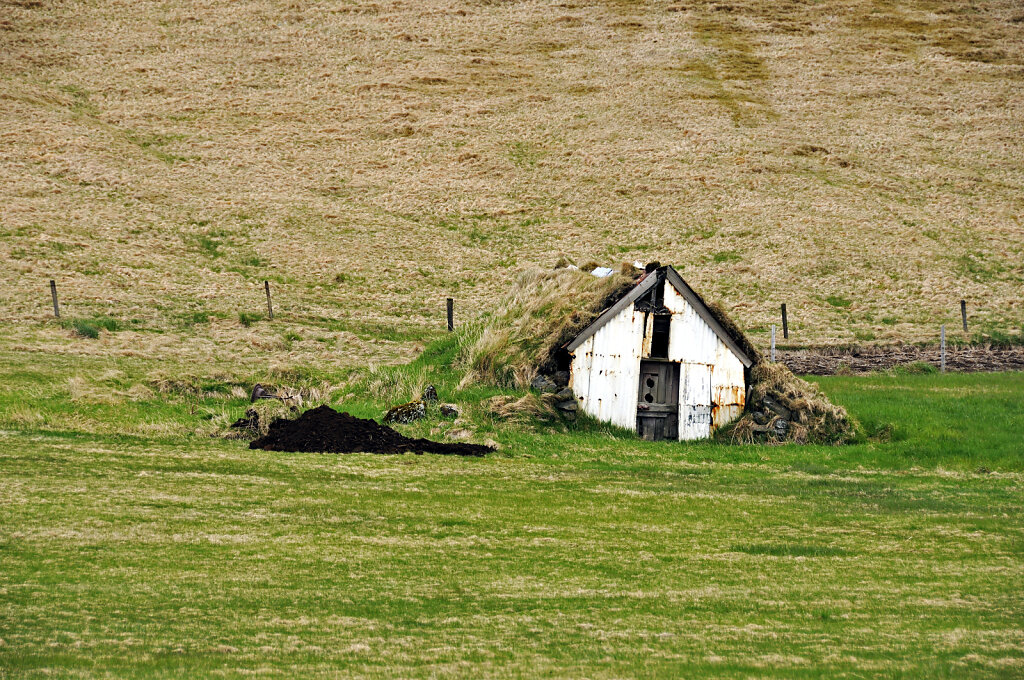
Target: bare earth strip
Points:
(880, 358)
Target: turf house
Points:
(661, 362)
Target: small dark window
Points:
(659, 338)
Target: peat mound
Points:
(783, 408)
(324, 430)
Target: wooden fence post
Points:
(785, 323)
(53, 294)
(773, 343)
(451, 314)
(942, 348)
(963, 313)
(270, 307)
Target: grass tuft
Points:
(247, 319)
(90, 328)
(790, 550)
(914, 368)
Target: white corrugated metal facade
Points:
(605, 369)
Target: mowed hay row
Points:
(861, 163)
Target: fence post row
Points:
(451, 317)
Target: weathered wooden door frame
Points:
(658, 418)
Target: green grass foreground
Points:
(583, 554)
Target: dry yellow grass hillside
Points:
(861, 161)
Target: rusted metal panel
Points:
(728, 387)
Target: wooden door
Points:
(657, 410)
(695, 401)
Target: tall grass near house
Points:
(545, 310)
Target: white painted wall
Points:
(728, 387)
(606, 370)
(690, 339)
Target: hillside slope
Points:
(861, 161)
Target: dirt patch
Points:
(324, 430)
(967, 359)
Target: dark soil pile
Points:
(324, 430)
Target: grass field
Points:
(861, 161)
(134, 544)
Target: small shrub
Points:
(90, 328)
(86, 329)
(247, 319)
(914, 368)
(838, 301)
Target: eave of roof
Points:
(606, 316)
(690, 295)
